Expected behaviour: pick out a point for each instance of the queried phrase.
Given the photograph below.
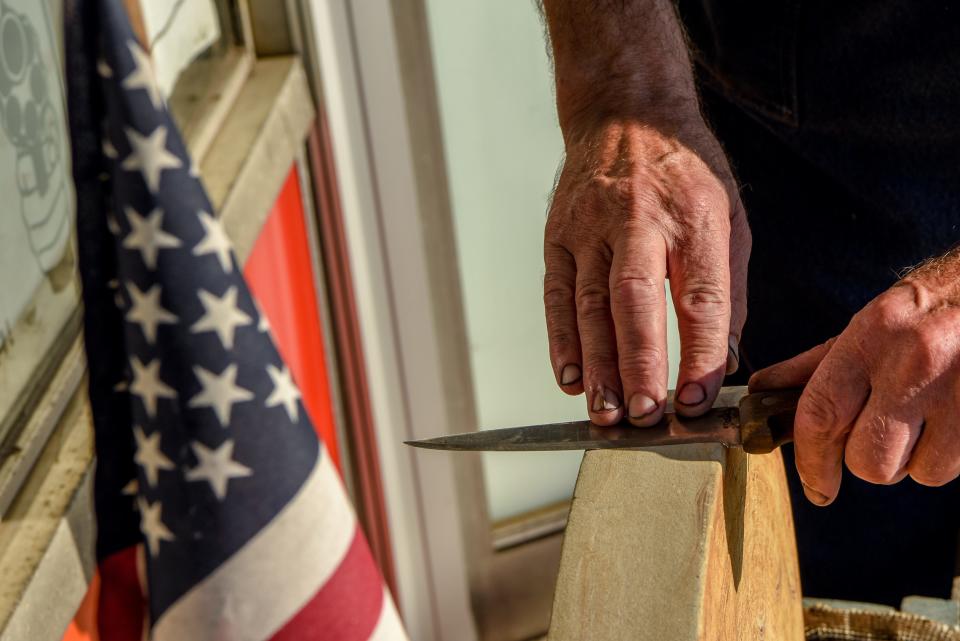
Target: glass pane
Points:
(503, 146)
(38, 286)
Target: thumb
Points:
(793, 372)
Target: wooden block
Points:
(679, 544)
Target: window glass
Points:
(38, 284)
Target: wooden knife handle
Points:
(766, 419)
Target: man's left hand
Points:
(884, 395)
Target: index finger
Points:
(827, 410)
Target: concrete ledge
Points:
(46, 539)
(256, 146)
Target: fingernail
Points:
(570, 374)
(691, 394)
(814, 496)
(641, 406)
(605, 400)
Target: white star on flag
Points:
(152, 526)
(215, 241)
(221, 315)
(284, 392)
(216, 467)
(147, 311)
(147, 235)
(142, 77)
(149, 154)
(220, 392)
(149, 456)
(148, 386)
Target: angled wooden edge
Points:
(687, 544)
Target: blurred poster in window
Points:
(38, 287)
(178, 32)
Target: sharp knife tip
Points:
(426, 444)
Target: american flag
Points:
(220, 514)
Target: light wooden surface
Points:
(679, 544)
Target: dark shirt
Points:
(841, 122)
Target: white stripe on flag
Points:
(261, 587)
(388, 627)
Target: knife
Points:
(759, 423)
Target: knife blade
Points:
(758, 422)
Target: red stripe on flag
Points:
(122, 606)
(347, 607)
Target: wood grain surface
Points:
(679, 544)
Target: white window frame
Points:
(460, 576)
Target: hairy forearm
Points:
(619, 59)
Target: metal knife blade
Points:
(719, 425)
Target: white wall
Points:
(503, 147)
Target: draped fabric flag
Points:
(220, 514)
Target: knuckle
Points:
(557, 225)
(883, 313)
(642, 360)
(593, 301)
(931, 349)
(558, 294)
(931, 477)
(601, 368)
(818, 416)
(873, 471)
(636, 294)
(709, 201)
(627, 188)
(702, 356)
(703, 298)
(562, 339)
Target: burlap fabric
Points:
(824, 623)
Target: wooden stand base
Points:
(679, 544)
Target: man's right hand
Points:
(645, 194)
(633, 206)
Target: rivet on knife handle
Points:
(766, 419)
